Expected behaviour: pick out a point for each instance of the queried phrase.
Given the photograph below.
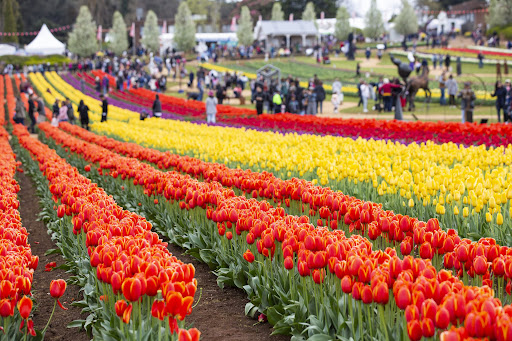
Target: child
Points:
(335, 100)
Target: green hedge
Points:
(31, 60)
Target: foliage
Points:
(309, 12)
(342, 28)
(406, 22)
(9, 21)
(82, 40)
(500, 13)
(277, 12)
(245, 28)
(297, 7)
(374, 24)
(119, 42)
(185, 28)
(151, 32)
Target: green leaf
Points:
(53, 252)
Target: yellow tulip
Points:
(499, 219)
(488, 217)
(465, 212)
(456, 210)
(411, 203)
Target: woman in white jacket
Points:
(365, 95)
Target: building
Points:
(472, 13)
(286, 33)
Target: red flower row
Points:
(418, 288)
(126, 254)
(17, 264)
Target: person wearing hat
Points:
(211, 107)
(467, 103)
(501, 95)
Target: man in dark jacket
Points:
(71, 114)
(259, 98)
(320, 97)
(55, 108)
(500, 92)
(31, 114)
(104, 108)
(157, 107)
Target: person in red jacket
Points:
(386, 90)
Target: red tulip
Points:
(30, 327)
(6, 307)
(158, 309)
(366, 294)
(189, 335)
(57, 288)
(132, 289)
(25, 307)
(381, 293)
(403, 298)
(480, 265)
(248, 256)
(442, 318)
(123, 310)
(346, 284)
(427, 327)
(288, 263)
(414, 330)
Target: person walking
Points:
(293, 106)
(320, 97)
(157, 107)
(480, 60)
(459, 66)
(442, 87)
(31, 114)
(211, 108)
(221, 93)
(467, 103)
(83, 112)
(501, 94)
(104, 108)
(365, 95)
(335, 100)
(19, 113)
(453, 88)
(447, 62)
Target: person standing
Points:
(480, 60)
(277, 101)
(400, 95)
(459, 66)
(104, 108)
(453, 88)
(447, 62)
(40, 110)
(368, 53)
(221, 93)
(335, 100)
(442, 87)
(293, 105)
(63, 112)
(434, 60)
(19, 114)
(311, 102)
(105, 85)
(365, 95)
(71, 114)
(211, 107)
(55, 108)
(157, 107)
(501, 94)
(467, 103)
(31, 114)
(82, 84)
(320, 97)
(259, 98)
(83, 112)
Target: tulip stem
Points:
(383, 321)
(51, 315)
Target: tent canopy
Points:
(45, 43)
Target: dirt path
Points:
(220, 314)
(40, 242)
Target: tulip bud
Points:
(456, 210)
(465, 212)
(499, 218)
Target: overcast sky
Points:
(387, 7)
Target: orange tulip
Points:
(25, 307)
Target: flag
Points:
(98, 37)
(132, 30)
(233, 24)
(164, 27)
(291, 16)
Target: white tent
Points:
(6, 49)
(45, 43)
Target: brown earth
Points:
(40, 242)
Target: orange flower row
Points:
(17, 264)
(334, 208)
(126, 254)
(322, 254)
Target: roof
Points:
(281, 28)
(45, 43)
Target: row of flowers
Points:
(428, 180)
(135, 273)
(410, 294)
(440, 132)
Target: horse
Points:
(416, 83)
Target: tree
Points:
(151, 32)
(277, 12)
(10, 21)
(245, 29)
(374, 24)
(500, 13)
(309, 12)
(184, 28)
(297, 7)
(200, 7)
(119, 42)
(435, 5)
(406, 22)
(342, 27)
(82, 40)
